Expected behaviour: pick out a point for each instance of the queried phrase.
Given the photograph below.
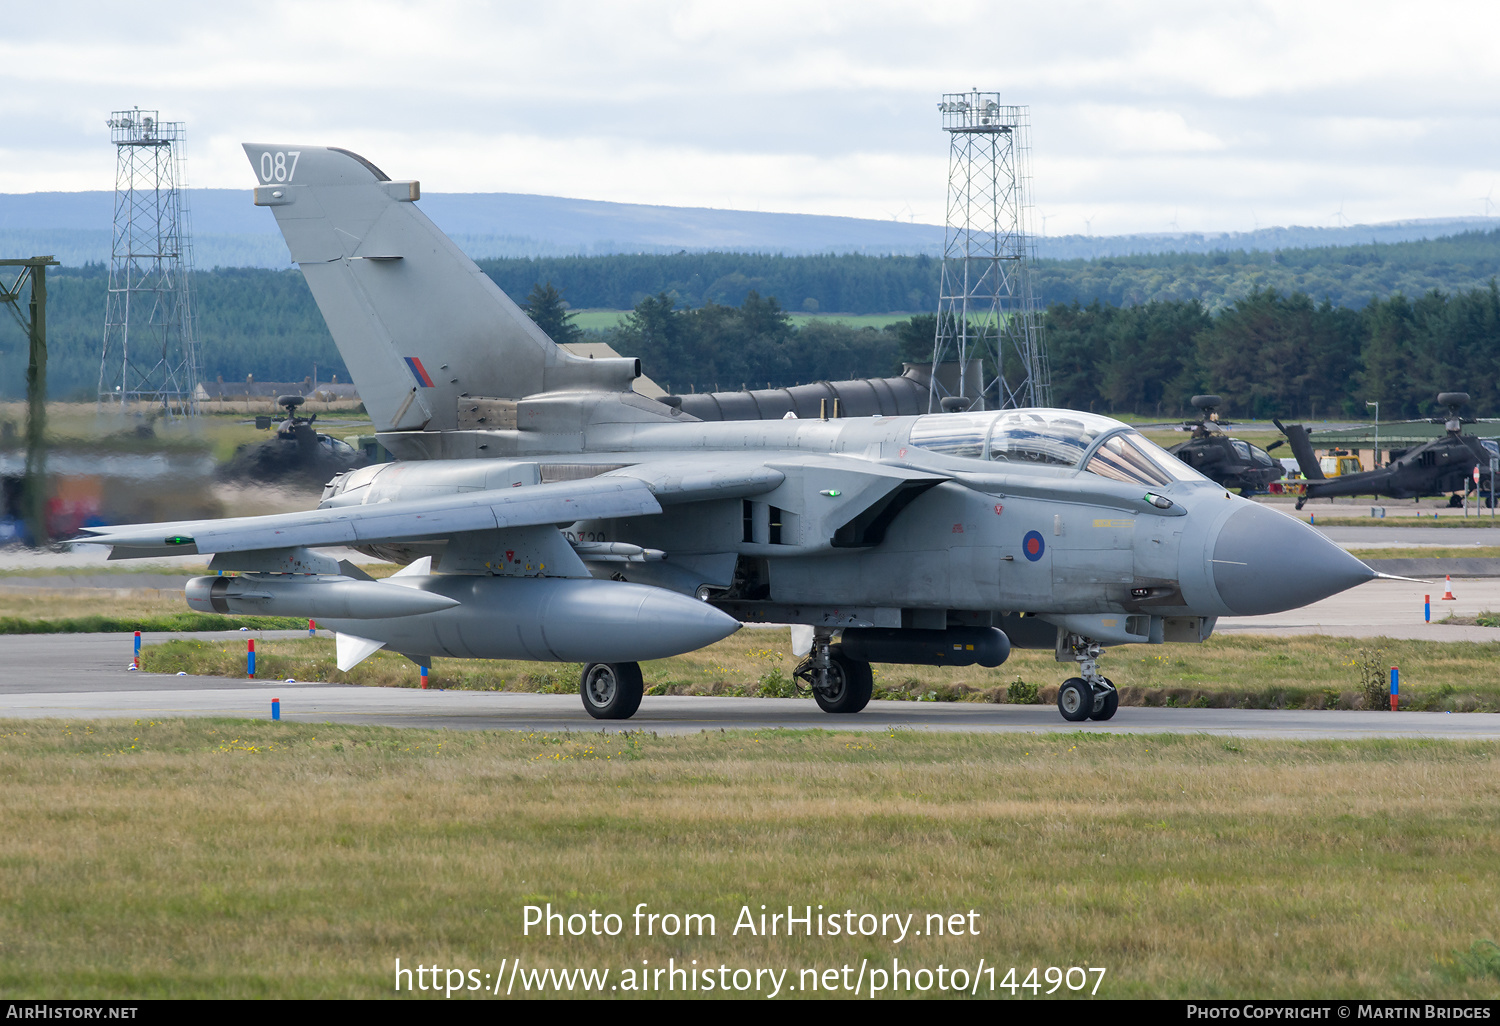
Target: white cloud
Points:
(1141, 110)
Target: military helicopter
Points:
(1445, 464)
(295, 452)
(1231, 462)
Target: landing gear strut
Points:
(611, 691)
(838, 684)
(1090, 696)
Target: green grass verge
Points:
(1233, 671)
(173, 622)
(1433, 552)
(123, 571)
(202, 858)
(1458, 522)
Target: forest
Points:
(1347, 276)
(1308, 333)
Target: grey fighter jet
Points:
(544, 510)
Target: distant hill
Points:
(229, 231)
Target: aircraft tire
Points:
(1106, 704)
(856, 683)
(611, 691)
(1075, 699)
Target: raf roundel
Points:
(1033, 545)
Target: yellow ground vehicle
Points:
(1340, 462)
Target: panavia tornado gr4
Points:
(545, 510)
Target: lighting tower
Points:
(987, 308)
(149, 353)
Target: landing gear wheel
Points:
(1106, 701)
(850, 682)
(611, 691)
(1075, 699)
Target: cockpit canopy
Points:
(1054, 438)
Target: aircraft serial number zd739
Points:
(545, 510)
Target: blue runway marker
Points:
(275, 708)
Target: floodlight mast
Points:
(149, 355)
(987, 309)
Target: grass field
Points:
(255, 859)
(1429, 552)
(1331, 519)
(1238, 671)
(220, 429)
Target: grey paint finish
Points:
(548, 619)
(985, 514)
(393, 287)
(1265, 562)
(393, 521)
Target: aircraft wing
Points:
(561, 502)
(693, 480)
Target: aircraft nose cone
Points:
(1265, 562)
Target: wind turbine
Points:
(1088, 224)
(1486, 199)
(1338, 215)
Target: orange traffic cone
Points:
(1448, 595)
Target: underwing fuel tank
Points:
(548, 619)
(956, 646)
(316, 597)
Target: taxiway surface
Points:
(85, 677)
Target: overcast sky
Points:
(1148, 115)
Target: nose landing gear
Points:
(1090, 696)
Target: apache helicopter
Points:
(1445, 464)
(295, 451)
(1231, 462)
(546, 511)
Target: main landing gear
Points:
(611, 691)
(1090, 696)
(838, 684)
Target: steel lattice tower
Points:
(149, 352)
(987, 308)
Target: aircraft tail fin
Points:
(418, 324)
(1297, 438)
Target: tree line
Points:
(1271, 352)
(1276, 355)
(1347, 276)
